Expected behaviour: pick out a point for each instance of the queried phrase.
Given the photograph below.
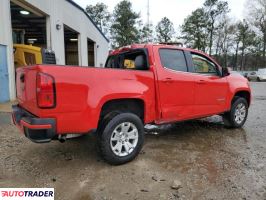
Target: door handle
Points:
(167, 80)
(201, 82)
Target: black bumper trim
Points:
(35, 135)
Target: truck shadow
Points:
(205, 133)
(166, 140)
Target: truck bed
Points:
(81, 92)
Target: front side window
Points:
(173, 59)
(203, 66)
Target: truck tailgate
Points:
(26, 88)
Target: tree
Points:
(124, 29)
(225, 40)
(237, 40)
(100, 16)
(214, 9)
(257, 17)
(165, 30)
(246, 38)
(194, 30)
(146, 33)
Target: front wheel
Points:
(237, 116)
(122, 138)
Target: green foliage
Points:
(100, 15)
(146, 33)
(257, 17)
(165, 30)
(194, 30)
(124, 29)
(209, 28)
(214, 9)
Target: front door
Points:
(4, 82)
(211, 89)
(176, 85)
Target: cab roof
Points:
(141, 46)
(150, 45)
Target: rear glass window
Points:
(110, 62)
(173, 59)
(134, 60)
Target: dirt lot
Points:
(208, 160)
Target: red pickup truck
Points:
(140, 84)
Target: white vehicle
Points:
(260, 75)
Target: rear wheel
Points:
(122, 138)
(237, 116)
(258, 79)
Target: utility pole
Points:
(148, 19)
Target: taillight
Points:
(45, 91)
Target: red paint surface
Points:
(81, 92)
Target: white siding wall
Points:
(62, 12)
(6, 39)
(58, 12)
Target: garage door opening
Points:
(29, 33)
(28, 27)
(91, 54)
(71, 46)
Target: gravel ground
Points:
(192, 160)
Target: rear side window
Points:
(173, 59)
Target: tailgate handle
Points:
(22, 78)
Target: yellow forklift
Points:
(27, 54)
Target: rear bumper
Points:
(39, 130)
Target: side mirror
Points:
(225, 71)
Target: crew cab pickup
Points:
(140, 84)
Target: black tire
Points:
(258, 79)
(105, 134)
(229, 117)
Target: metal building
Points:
(59, 25)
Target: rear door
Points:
(176, 86)
(210, 87)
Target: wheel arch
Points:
(244, 94)
(133, 105)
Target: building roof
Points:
(81, 9)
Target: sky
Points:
(175, 10)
